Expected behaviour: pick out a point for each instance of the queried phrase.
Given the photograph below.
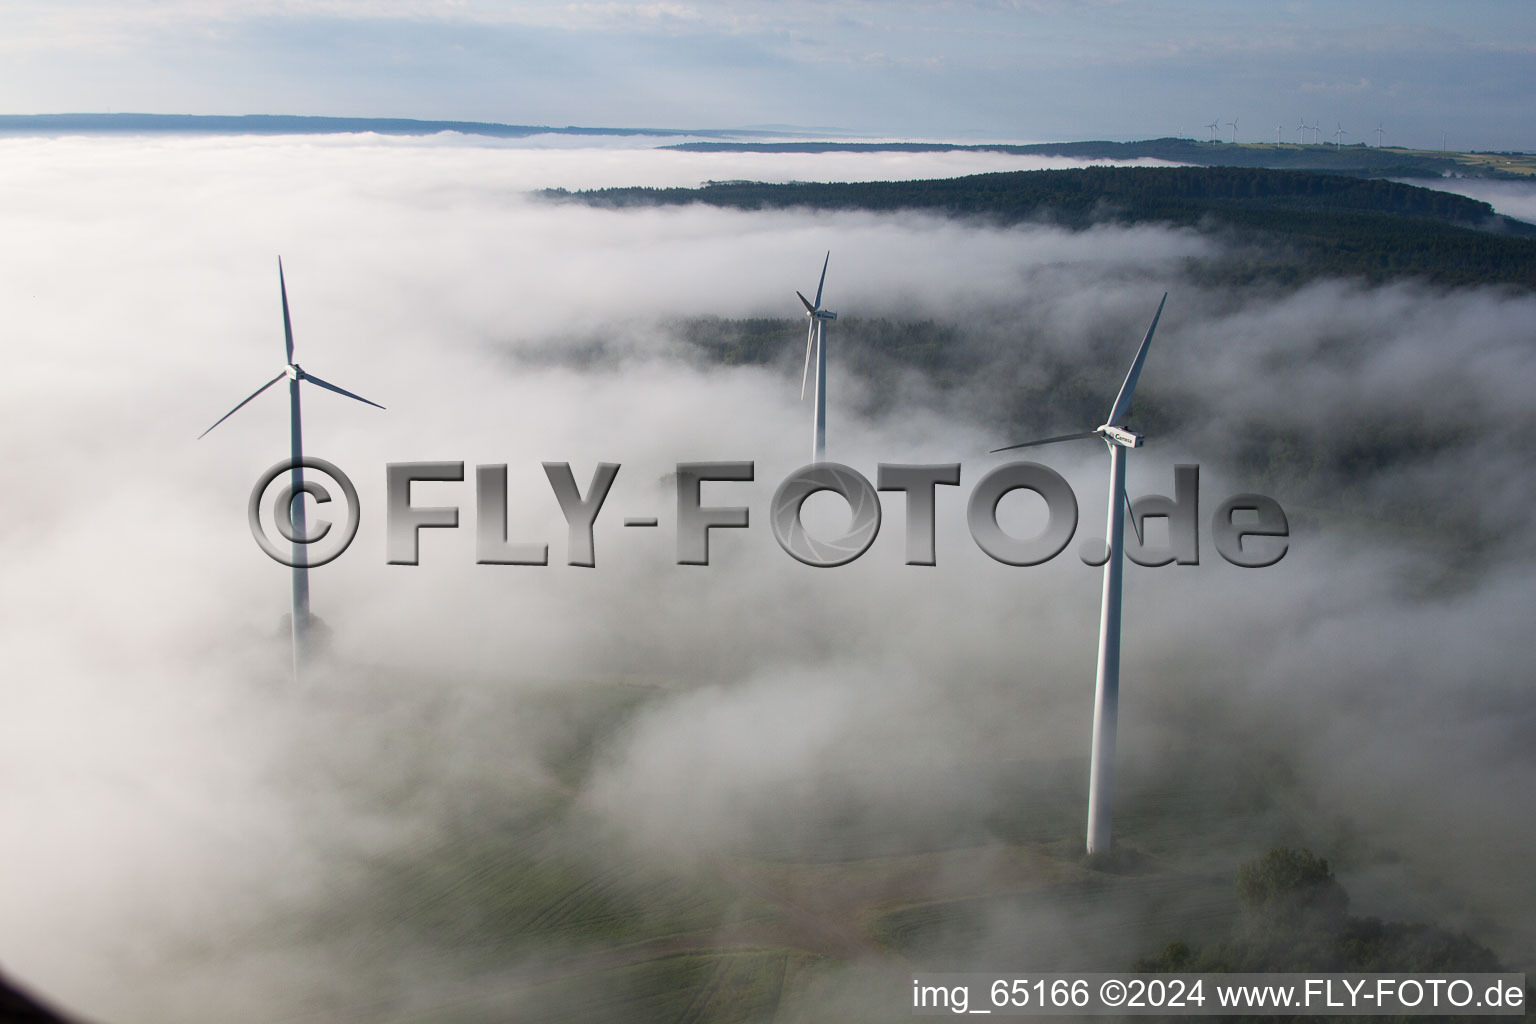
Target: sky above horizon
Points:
(1026, 70)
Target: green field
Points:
(511, 900)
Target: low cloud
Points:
(195, 829)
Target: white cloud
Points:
(148, 715)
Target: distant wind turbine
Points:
(295, 374)
(1106, 698)
(816, 337)
(1300, 130)
(1278, 129)
(1233, 125)
(1338, 136)
(1380, 132)
(1213, 126)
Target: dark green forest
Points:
(942, 363)
(1360, 159)
(1287, 227)
(1296, 919)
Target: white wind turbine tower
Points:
(816, 337)
(1380, 131)
(1338, 136)
(295, 374)
(1233, 125)
(1213, 126)
(1300, 130)
(1106, 697)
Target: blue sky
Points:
(1011, 69)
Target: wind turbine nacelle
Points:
(825, 314)
(293, 371)
(1121, 436)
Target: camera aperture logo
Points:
(1248, 530)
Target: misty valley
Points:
(761, 793)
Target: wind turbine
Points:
(1213, 126)
(817, 336)
(1106, 697)
(1300, 130)
(1233, 125)
(1278, 129)
(295, 374)
(1338, 136)
(1379, 133)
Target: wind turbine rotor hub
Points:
(293, 371)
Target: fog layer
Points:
(190, 836)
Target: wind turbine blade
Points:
(823, 277)
(806, 303)
(1045, 440)
(805, 377)
(1130, 513)
(287, 325)
(242, 405)
(1123, 400)
(340, 391)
